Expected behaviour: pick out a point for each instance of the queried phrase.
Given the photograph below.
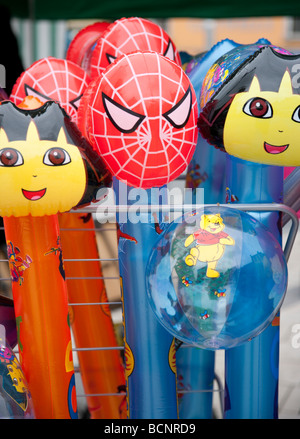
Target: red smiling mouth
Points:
(274, 149)
(34, 195)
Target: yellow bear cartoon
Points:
(210, 243)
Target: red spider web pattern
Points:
(130, 35)
(53, 79)
(156, 152)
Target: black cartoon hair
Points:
(268, 66)
(49, 119)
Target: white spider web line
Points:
(183, 163)
(116, 49)
(160, 112)
(54, 78)
(149, 34)
(148, 152)
(125, 104)
(172, 140)
(127, 145)
(160, 35)
(111, 153)
(175, 171)
(37, 81)
(174, 134)
(143, 31)
(33, 78)
(131, 37)
(110, 44)
(67, 82)
(175, 145)
(145, 113)
(124, 84)
(138, 102)
(21, 84)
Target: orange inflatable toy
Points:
(101, 371)
(44, 168)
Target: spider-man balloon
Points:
(141, 116)
(130, 35)
(53, 79)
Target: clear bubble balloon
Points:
(216, 278)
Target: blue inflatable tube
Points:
(207, 167)
(195, 366)
(149, 348)
(251, 370)
(195, 373)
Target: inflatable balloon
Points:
(140, 116)
(130, 35)
(56, 173)
(260, 97)
(15, 397)
(81, 47)
(34, 142)
(53, 79)
(206, 171)
(101, 371)
(257, 88)
(207, 167)
(201, 273)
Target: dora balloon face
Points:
(42, 170)
(255, 113)
(40, 176)
(264, 126)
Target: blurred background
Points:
(191, 35)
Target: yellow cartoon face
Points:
(39, 177)
(264, 126)
(212, 223)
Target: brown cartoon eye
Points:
(258, 107)
(10, 157)
(56, 157)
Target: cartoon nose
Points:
(280, 131)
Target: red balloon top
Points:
(130, 35)
(83, 44)
(53, 79)
(141, 116)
